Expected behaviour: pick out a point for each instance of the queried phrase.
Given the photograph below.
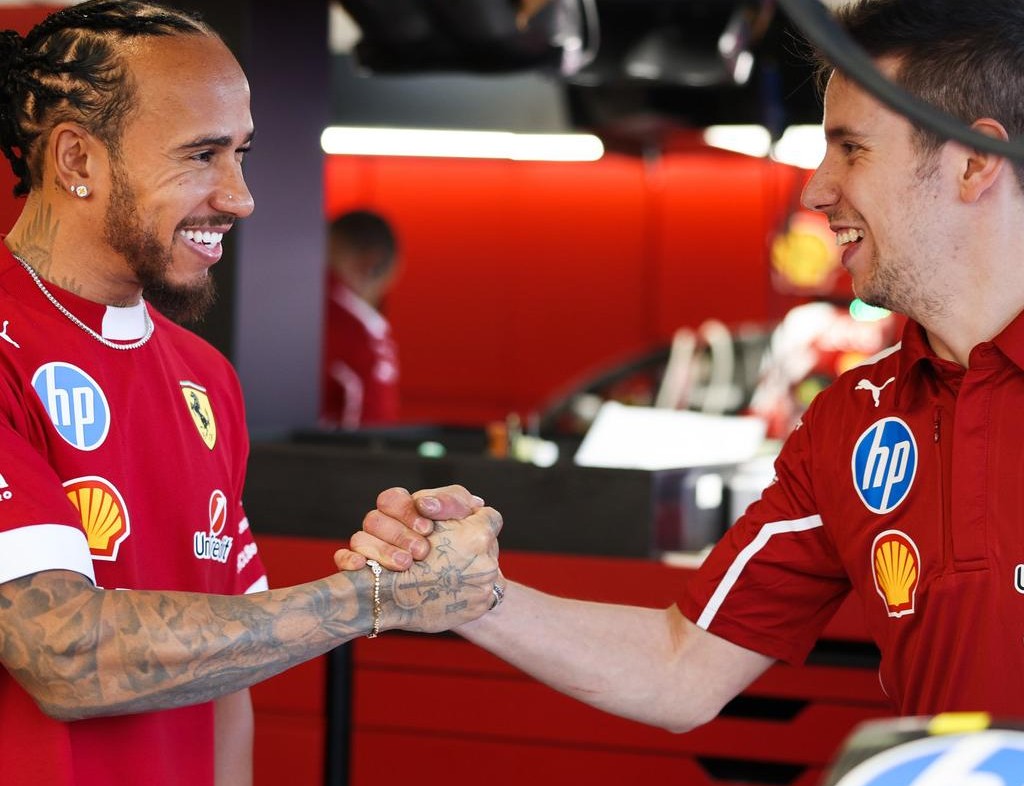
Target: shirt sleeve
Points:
(39, 527)
(775, 579)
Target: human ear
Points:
(981, 168)
(72, 150)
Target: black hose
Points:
(816, 22)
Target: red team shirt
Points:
(360, 380)
(904, 482)
(126, 467)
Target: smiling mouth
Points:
(207, 239)
(848, 236)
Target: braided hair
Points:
(69, 68)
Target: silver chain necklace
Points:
(60, 307)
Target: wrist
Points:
(376, 604)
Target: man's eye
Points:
(850, 147)
(205, 156)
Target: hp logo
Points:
(884, 464)
(986, 758)
(75, 404)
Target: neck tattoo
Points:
(60, 307)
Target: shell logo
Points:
(103, 513)
(805, 258)
(896, 567)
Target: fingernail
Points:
(423, 526)
(479, 502)
(403, 560)
(429, 505)
(419, 549)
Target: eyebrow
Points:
(216, 141)
(839, 132)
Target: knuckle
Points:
(392, 497)
(373, 522)
(495, 518)
(480, 539)
(361, 543)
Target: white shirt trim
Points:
(40, 547)
(124, 323)
(260, 585)
(732, 575)
(368, 316)
(882, 354)
(352, 384)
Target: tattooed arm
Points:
(83, 652)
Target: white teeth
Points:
(848, 236)
(206, 238)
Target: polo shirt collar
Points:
(915, 349)
(1010, 341)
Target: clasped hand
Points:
(439, 550)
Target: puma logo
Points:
(876, 390)
(8, 339)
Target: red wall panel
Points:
(520, 278)
(714, 219)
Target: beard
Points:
(150, 259)
(901, 285)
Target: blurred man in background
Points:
(360, 369)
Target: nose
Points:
(233, 195)
(821, 192)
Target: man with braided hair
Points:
(134, 610)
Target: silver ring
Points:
(499, 596)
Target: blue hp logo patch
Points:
(75, 403)
(992, 758)
(884, 464)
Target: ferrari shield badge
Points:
(198, 404)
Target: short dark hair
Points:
(364, 230)
(965, 57)
(69, 68)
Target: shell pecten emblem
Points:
(103, 513)
(896, 567)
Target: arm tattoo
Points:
(82, 652)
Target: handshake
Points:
(433, 556)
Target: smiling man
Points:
(903, 482)
(134, 609)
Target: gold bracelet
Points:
(373, 565)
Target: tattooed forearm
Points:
(83, 652)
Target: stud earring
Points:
(80, 191)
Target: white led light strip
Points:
(434, 143)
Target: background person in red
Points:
(360, 370)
